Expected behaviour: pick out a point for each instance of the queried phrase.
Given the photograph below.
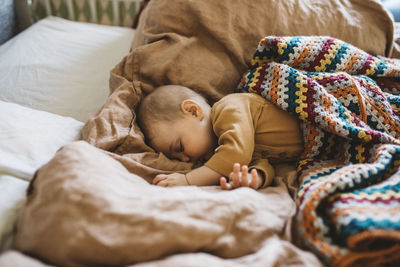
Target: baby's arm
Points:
(240, 177)
(200, 176)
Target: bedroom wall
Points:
(7, 20)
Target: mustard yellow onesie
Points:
(252, 131)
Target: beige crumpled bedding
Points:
(92, 204)
(85, 208)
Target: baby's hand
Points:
(241, 178)
(173, 179)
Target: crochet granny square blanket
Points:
(348, 202)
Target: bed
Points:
(75, 167)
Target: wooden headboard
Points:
(15, 16)
(108, 12)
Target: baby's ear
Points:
(191, 107)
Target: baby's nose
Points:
(185, 158)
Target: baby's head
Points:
(176, 121)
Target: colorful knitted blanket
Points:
(348, 202)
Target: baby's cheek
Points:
(193, 154)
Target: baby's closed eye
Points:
(180, 147)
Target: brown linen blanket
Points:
(89, 210)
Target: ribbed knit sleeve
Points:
(234, 127)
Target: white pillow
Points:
(29, 138)
(62, 66)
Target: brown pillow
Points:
(207, 44)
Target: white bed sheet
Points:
(12, 198)
(28, 139)
(53, 77)
(62, 66)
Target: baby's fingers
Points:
(245, 171)
(245, 180)
(224, 184)
(236, 168)
(163, 183)
(254, 178)
(159, 178)
(234, 180)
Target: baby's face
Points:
(186, 139)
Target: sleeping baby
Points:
(238, 138)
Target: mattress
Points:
(53, 77)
